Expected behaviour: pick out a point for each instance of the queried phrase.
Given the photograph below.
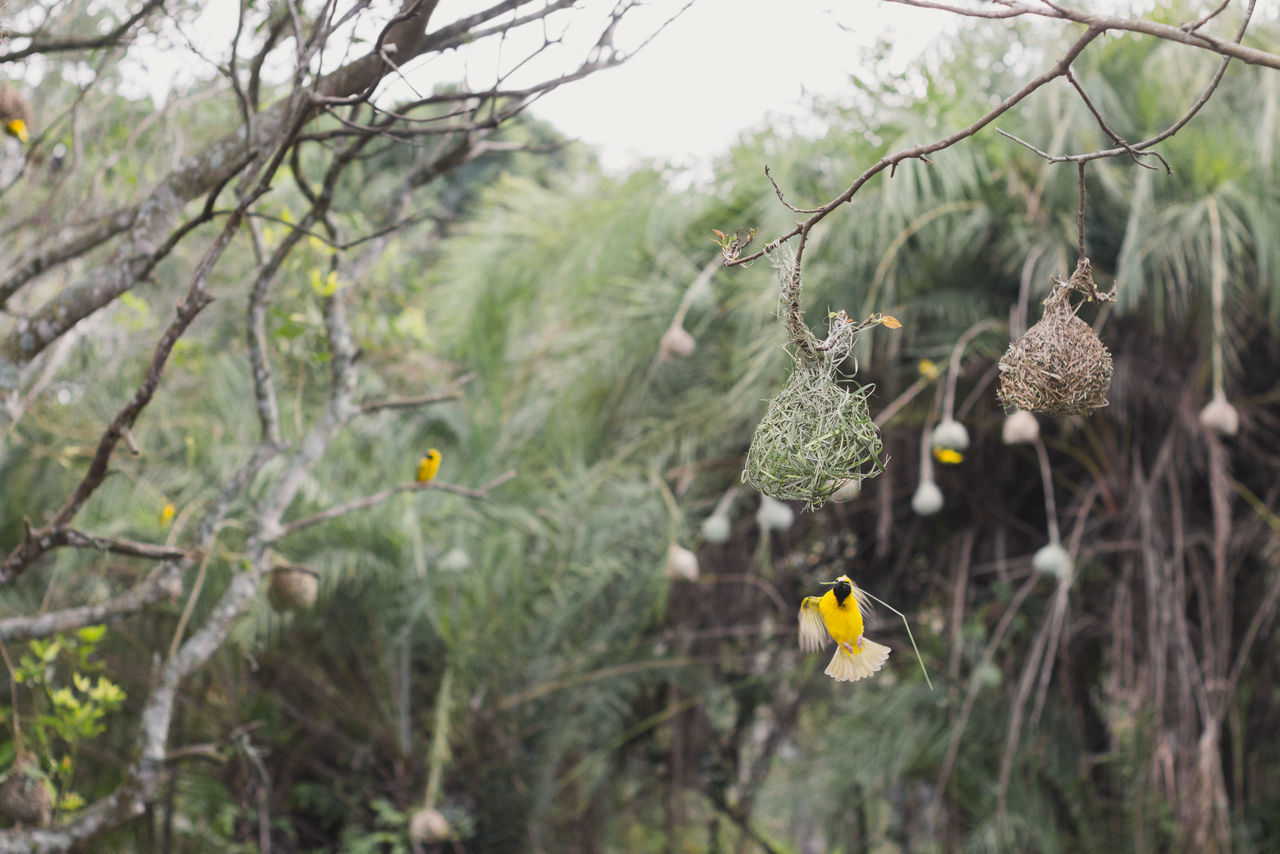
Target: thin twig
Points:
(154, 588)
(110, 39)
(1115, 137)
(957, 352)
(1046, 481)
(778, 191)
(919, 151)
(1080, 214)
(372, 406)
(116, 545)
(900, 401)
(1191, 27)
(378, 497)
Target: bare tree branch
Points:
(115, 37)
(157, 586)
(379, 497)
(1058, 69)
(116, 545)
(82, 239)
(1115, 137)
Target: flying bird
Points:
(837, 615)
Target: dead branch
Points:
(379, 497)
(1058, 69)
(115, 37)
(156, 587)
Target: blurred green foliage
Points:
(597, 704)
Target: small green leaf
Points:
(92, 634)
(324, 287)
(64, 699)
(70, 802)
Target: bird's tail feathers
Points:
(847, 666)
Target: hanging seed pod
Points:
(429, 825)
(25, 797)
(774, 515)
(716, 528)
(950, 435)
(293, 588)
(987, 675)
(455, 560)
(1219, 416)
(676, 343)
(928, 497)
(1060, 366)
(927, 500)
(1020, 428)
(682, 564)
(848, 491)
(1053, 560)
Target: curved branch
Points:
(81, 239)
(1058, 69)
(108, 40)
(379, 497)
(155, 587)
(1186, 34)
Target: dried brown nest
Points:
(293, 588)
(1059, 367)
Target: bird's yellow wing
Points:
(813, 629)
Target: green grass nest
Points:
(815, 436)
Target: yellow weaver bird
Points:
(15, 114)
(429, 466)
(837, 615)
(948, 456)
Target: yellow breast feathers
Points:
(837, 615)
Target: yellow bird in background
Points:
(15, 114)
(429, 466)
(948, 456)
(837, 615)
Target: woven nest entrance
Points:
(1060, 366)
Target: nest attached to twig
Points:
(1060, 366)
(815, 437)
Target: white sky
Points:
(722, 67)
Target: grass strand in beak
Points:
(910, 637)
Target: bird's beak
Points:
(18, 128)
(828, 583)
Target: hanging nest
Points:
(293, 588)
(1059, 366)
(26, 797)
(815, 437)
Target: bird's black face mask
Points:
(842, 589)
